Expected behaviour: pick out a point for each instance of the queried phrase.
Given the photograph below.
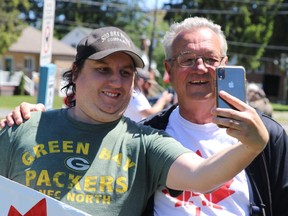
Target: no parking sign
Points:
(47, 32)
(47, 70)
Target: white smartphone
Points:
(231, 79)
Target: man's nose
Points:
(200, 65)
(116, 79)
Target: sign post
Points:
(47, 70)
(47, 32)
(47, 85)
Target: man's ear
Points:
(225, 60)
(167, 66)
(167, 72)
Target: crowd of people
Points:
(175, 162)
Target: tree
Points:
(125, 14)
(248, 25)
(278, 44)
(90, 14)
(10, 23)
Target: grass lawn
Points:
(9, 102)
(280, 107)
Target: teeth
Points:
(111, 94)
(199, 81)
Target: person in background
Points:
(92, 157)
(193, 49)
(257, 98)
(144, 81)
(139, 106)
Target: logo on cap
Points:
(115, 36)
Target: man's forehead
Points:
(200, 39)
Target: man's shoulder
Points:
(45, 117)
(160, 119)
(271, 124)
(52, 112)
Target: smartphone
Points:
(231, 79)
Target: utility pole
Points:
(152, 44)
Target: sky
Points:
(151, 3)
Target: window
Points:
(29, 64)
(8, 64)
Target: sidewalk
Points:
(4, 112)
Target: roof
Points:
(75, 35)
(79, 30)
(30, 42)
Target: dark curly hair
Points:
(70, 76)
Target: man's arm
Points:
(206, 175)
(160, 104)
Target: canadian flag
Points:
(19, 200)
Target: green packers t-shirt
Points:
(102, 169)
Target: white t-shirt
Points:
(137, 103)
(205, 140)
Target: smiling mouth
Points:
(199, 82)
(112, 95)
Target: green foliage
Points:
(279, 35)
(10, 24)
(125, 14)
(20, 89)
(244, 23)
(90, 14)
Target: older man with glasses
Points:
(194, 48)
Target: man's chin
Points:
(117, 113)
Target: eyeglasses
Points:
(188, 59)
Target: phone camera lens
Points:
(221, 74)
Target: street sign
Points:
(47, 32)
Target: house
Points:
(24, 55)
(75, 35)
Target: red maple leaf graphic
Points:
(212, 199)
(40, 209)
(221, 193)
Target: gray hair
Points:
(189, 24)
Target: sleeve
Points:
(5, 148)
(277, 157)
(10, 145)
(164, 150)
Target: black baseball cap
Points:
(105, 41)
